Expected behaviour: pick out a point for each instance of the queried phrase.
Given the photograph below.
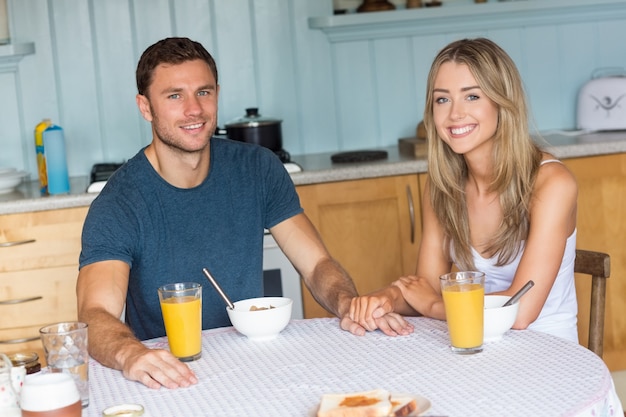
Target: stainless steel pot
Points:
(254, 128)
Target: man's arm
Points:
(329, 283)
(101, 292)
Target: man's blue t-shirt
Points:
(168, 234)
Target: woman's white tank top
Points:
(558, 316)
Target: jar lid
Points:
(124, 410)
(23, 358)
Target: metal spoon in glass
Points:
(519, 294)
(218, 289)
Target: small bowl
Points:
(498, 320)
(10, 178)
(263, 324)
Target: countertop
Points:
(318, 168)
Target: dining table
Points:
(526, 373)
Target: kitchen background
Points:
(338, 82)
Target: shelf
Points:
(465, 17)
(12, 53)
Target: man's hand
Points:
(365, 310)
(350, 325)
(156, 368)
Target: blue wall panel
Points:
(577, 60)
(10, 155)
(424, 49)
(74, 53)
(356, 82)
(355, 89)
(315, 100)
(395, 89)
(540, 73)
(114, 60)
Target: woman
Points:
(494, 201)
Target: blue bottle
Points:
(56, 160)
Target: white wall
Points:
(332, 93)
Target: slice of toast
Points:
(375, 403)
(402, 405)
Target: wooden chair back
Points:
(598, 266)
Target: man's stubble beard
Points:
(168, 138)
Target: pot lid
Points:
(253, 119)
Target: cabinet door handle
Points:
(409, 197)
(15, 243)
(16, 341)
(20, 300)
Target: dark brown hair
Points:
(170, 51)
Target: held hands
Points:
(376, 311)
(156, 368)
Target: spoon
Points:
(519, 294)
(218, 289)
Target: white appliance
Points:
(280, 278)
(602, 101)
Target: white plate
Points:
(423, 405)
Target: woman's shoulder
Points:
(555, 177)
(552, 165)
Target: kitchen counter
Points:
(318, 168)
(27, 198)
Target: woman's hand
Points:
(421, 296)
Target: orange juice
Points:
(183, 324)
(464, 305)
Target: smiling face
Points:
(182, 105)
(465, 118)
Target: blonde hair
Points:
(516, 158)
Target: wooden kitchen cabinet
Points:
(602, 227)
(371, 226)
(38, 270)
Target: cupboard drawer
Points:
(40, 239)
(37, 297)
(24, 339)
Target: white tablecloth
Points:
(525, 374)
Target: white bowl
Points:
(498, 320)
(261, 324)
(4, 170)
(10, 179)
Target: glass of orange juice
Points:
(181, 305)
(464, 301)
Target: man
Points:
(184, 202)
